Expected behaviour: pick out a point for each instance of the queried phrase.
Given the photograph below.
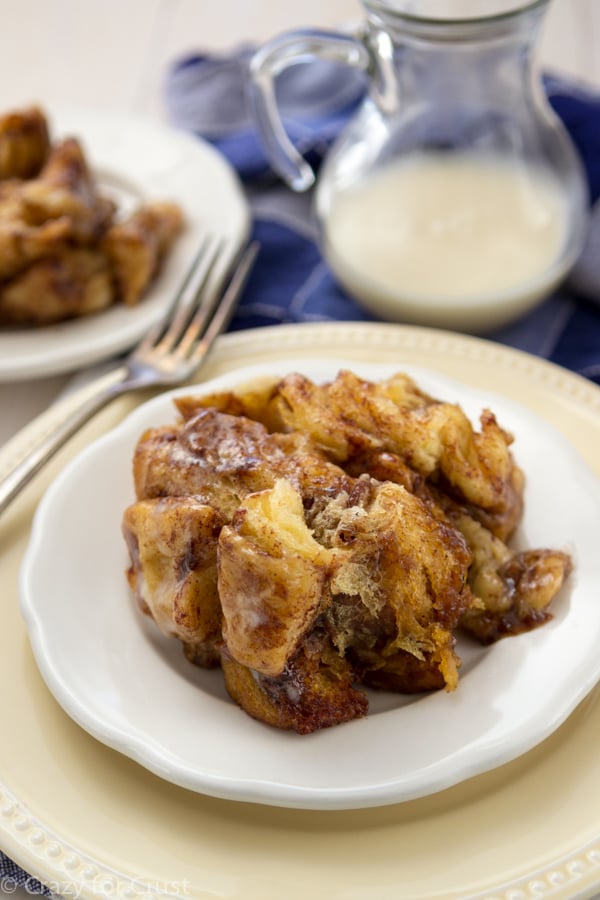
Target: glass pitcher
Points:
(454, 196)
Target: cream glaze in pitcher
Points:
(454, 197)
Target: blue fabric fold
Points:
(206, 94)
(13, 877)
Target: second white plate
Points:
(131, 688)
(134, 160)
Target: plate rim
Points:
(26, 839)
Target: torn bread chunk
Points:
(75, 282)
(137, 246)
(356, 529)
(24, 143)
(173, 571)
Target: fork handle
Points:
(51, 430)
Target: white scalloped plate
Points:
(84, 817)
(134, 160)
(140, 696)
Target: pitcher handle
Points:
(288, 49)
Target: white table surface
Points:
(114, 53)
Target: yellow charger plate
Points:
(89, 822)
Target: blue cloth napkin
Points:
(292, 283)
(12, 876)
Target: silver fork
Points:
(169, 354)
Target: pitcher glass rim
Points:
(514, 10)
